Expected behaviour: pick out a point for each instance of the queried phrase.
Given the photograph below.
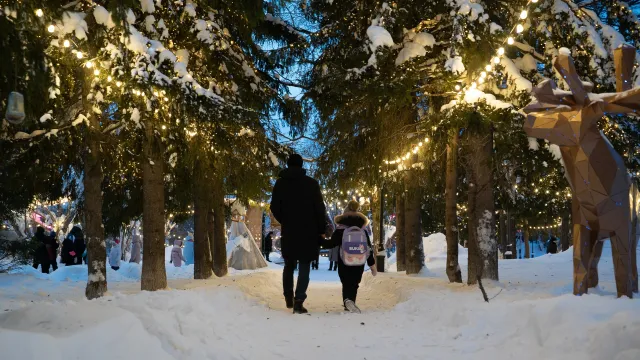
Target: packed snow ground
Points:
(242, 316)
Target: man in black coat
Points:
(298, 206)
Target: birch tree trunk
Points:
(154, 276)
(451, 217)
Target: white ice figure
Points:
(242, 251)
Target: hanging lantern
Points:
(15, 108)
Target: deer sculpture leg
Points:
(621, 247)
(583, 241)
(594, 258)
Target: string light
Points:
(510, 40)
(66, 43)
(89, 64)
(519, 28)
(79, 55)
(96, 72)
(523, 14)
(51, 28)
(501, 51)
(39, 13)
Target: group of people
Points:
(298, 206)
(46, 246)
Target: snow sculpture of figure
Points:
(242, 251)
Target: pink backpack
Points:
(355, 249)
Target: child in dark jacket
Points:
(350, 276)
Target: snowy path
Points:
(242, 316)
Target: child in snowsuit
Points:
(176, 253)
(114, 255)
(350, 276)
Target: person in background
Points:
(79, 244)
(189, 256)
(351, 275)
(115, 255)
(268, 245)
(52, 250)
(552, 247)
(75, 247)
(68, 253)
(176, 254)
(334, 253)
(136, 247)
(40, 255)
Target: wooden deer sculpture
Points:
(605, 201)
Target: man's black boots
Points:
(289, 301)
(298, 308)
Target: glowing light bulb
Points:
(523, 14)
(118, 83)
(488, 68)
(164, 127)
(473, 85)
(510, 40)
(89, 64)
(483, 74)
(39, 13)
(66, 43)
(96, 72)
(51, 28)
(481, 80)
(519, 28)
(109, 78)
(420, 143)
(79, 55)
(426, 140)
(534, 1)
(496, 60)
(457, 87)
(501, 51)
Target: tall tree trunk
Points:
(414, 253)
(219, 247)
(483, 247)
(375, 211)
(202, 267)
(94, 231)
(451, 217)
(502, 231)
(525, 239)
(511, 235)
(400, 234)
(154, 276)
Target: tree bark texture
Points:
(202, 267)
(93, 232)
(451, 217)
(400, 238)
(154, 276)
(375, 211)
(414, 252)
(219, 248)
(483, 245)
